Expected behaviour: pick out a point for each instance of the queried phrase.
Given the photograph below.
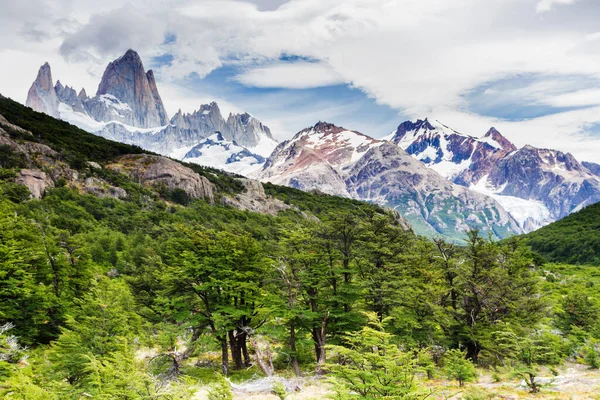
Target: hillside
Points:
(574, 239)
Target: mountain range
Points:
(441, 180)
(128, 108)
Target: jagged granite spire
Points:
(135, 89)
(42, 96)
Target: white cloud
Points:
(547, 5)
(291, 75)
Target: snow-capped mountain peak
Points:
(218, 152)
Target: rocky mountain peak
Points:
(504, 143)
(326, 127)
(83, 94)
(126, 80)
(410, 126)
(42, 96)
(44, 77)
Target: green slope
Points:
(574, 239)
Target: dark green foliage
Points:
(573, 239)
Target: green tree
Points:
(214, 282)
(371, 366)
(458, 367)
(488, 283)
(528, 349)
(102, 323)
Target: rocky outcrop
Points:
(129, 95)
(100, 188)
(41, 96)
(254, 199)
(156, 171)
(36, 181)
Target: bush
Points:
(591, 356)
(279, 390)
(220, 389)
(458, 367)
(15, 192)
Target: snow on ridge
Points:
(88, 124)
(111, 101)
(530, 214)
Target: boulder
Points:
(36, 181)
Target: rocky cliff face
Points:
(337, 161)
(41, 96)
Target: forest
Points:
(151, 296)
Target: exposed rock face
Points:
(334, 160)
(207, 120)
(242, 129)
(100, 188)
(41, 96)
(155, 171)
(69, 96)
(254, 199)
(36, 181)
(592, 167)
(556, 178)
(129, 94)
(246, 130)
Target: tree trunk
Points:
(266, 366)
(236, 351)
(293, 349)
(473, 351)
(243, 344)
(320, 342)
(224, 355)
